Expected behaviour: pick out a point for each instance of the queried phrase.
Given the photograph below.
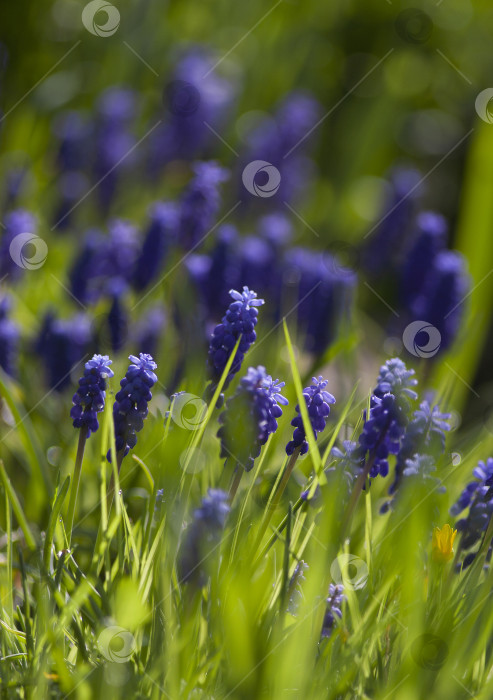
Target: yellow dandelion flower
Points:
(442, 543)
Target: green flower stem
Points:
(75, 482)
(271, 507)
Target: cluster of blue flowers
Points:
(9, 339)
(201, 538)
(250, 417)
(478, 498)
(318, 402)
(384, 426)
(89, 398)
(239, 321)
(131, 402)
(334, 603)
(417, 439)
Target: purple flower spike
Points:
(318, 402)
(240, 320)
(90, 396)
(131, 402)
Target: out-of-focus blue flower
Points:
(89, 398)
(250, 417)
(9, 339)
(478, 497)
(117, 315)
(196, 101)
(200, 203)
(202, 537)
(103, 259)
(160, 234)
(428, 239)
(318, 402)
(274, 138)
(441, 301)
(333, 610)
(240, 320)
(425, 434)
(386, 241)
(62, 344)
(322, 294)
(72, 185)
(131, 402)
(74, 132)
(113, 141)
(16, 222)
(276, 228)
(218, 272)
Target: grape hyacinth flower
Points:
(117, 315)
(429, 239)
(88, 401)
(113, 141)
(425, 435)
(202, 537)
(157, 241)
(16, 222)
(89, 398)
(216, 273)
(324, 295)
(318, 402)
(240, 320)
(197, 99)
(250, 417)
(333, 610)
(131, 403)
(383, 428)
(396, 222)
(478, 498)
(9, 339)
(440, 302)
(200, 203)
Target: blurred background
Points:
(368, 113)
